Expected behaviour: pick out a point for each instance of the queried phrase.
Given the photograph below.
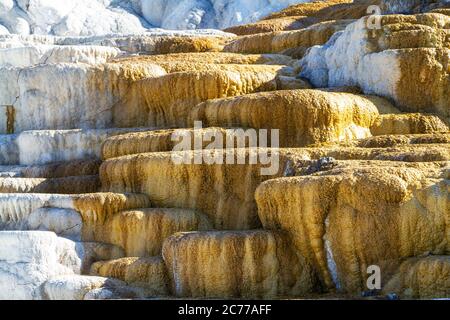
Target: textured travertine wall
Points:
(15, 208)
(409, 123)
(66, 185)
(156, 42)
(314, 8)
(39, 104)
(422, 278)
(141, 232)
(75, 287)
(226, 192)
(276, 42)
(345, 220)
(183, 66)
(210, 58)
(149, 273)
(223, 192)
(153, 141)
(369, 184)
(48, 146)
(397, 140)
(29, 260)
(65, 223)
(167, 108)
(302, 116)
(257, 264)
(61, 169)
(422, 147)
(45, 54)
(277, 24)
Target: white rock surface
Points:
(131, 42)
(85, 98)
(41, 265)
(346, 59)
(65, 223)
(15, 209)
(29, 259)
(41, 54)
(75, 287)
(192, 14)
(46, 146)
(3, 30)
(37, 147)
(98, 17)
(9, 151)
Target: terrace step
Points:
(149, 273)
(66, 185)
(235, 264)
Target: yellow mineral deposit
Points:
(348, 219)
(276, 42)
(303, 116)
(149, 273)
(262, 263)
(142, 232)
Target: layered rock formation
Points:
(287, 160)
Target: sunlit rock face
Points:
(350, 116)
(149, 273)
(423, 278)
(40, 54)
(141, 232)
(67, 185)
(30, 260)
(234, 264)
(76, 287)
(358, 217)
(16, 209)
(229, 201)
(406, 61)
(85, 17)
(276, 42)
(38, 104)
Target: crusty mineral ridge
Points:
(30, 260)
(168, 108)
(123, 176)
(276, 42)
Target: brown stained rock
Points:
(346, 219)
(256, 264)
(149, 273)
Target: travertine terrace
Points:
(93, 205)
